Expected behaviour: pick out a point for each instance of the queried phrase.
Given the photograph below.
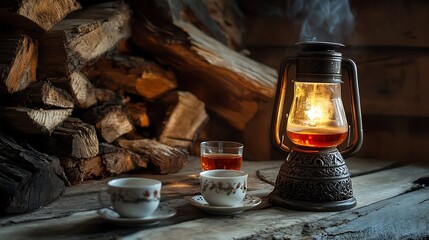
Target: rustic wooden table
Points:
(392, 203)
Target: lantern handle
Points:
(357, 129)
(277, 128)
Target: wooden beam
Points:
(238, 84)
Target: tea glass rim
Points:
(215, 144)
(140, 182)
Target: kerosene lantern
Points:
(314, 176)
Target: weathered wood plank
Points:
(86, 225)
(403, 217)
(368, 189)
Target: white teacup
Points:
(223, 187)
(133, 197)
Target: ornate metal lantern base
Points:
(314, 180)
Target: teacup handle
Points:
(100, 199)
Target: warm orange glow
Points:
(317, 139)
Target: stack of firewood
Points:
(81, 100)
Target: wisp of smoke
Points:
(322, 20)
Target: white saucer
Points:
(162, 212)
(247, 203)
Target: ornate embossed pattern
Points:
(228, 188)
(314, 177)
(134, 197)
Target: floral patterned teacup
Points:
(133, 197)
(223, 187)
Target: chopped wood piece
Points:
(18, 61)
(72, 138)
(36, 14)
(78, 170)
(180, 117)
(111, 161)
(118, 160)
(237, 84)
(138, 114)
(110, 120)
(28, 179)
(81, 37)
(165, 159)
(105, 95)
(44, 94)
(133, 75)
(33, 121)
(82, 90)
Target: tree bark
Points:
(82, 37)
(18, 61)
(28, 179)
(39, 15)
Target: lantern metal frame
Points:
(315, 179)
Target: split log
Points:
(165, 159)
(237, 84)
(78, 170)
(72, 138)
(28, 179)
(138, 114)
(33, 121)
(43, 94)
(82, 91)
(110, 120)
(118, 160)
(112, 160)
(105, 95)
(18, 61)
(180, 117)
(133, 75)
(36, 15)
(81, 37)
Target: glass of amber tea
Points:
(221, 155)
